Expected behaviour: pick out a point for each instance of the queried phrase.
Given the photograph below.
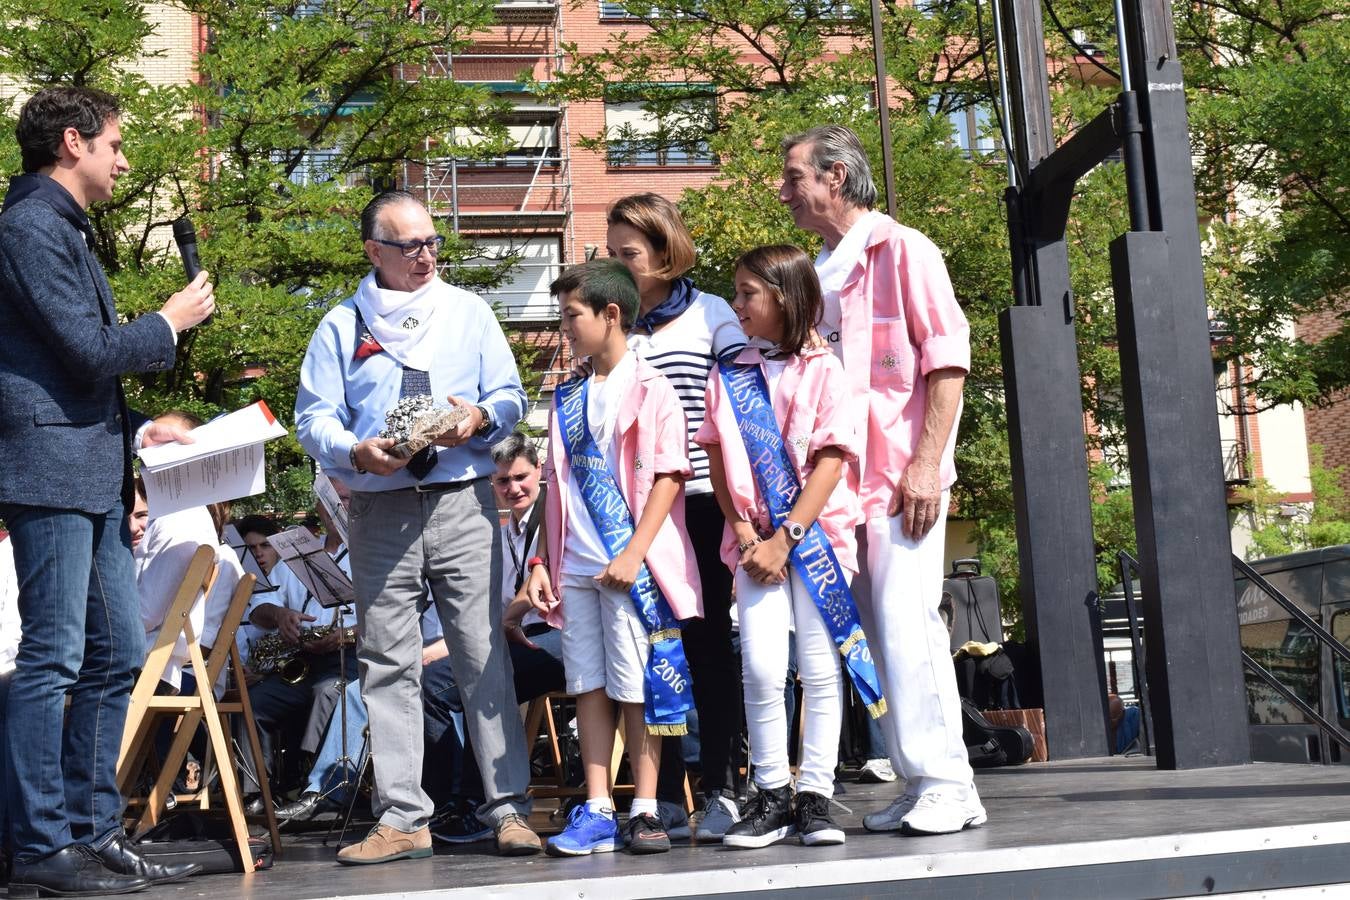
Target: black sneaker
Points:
(814, 825)
(458, 825)
(644, 833)
(767, 818)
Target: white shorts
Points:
(604, 643)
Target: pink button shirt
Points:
(653, 440)
(809, 403)
(900, 322)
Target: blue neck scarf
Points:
(682, 294)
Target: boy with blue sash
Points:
(620, 572)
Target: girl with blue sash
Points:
(779, 440)
(619, 575)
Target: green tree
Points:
(1265, 84)
(1278, 526)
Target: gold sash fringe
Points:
(878, 709)
(669, 730)
(668, 634)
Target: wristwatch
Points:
(794, 531)
(486, 425)
(351, 455)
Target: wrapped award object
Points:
(417, 421)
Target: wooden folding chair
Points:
(539, 719)
(137, 739)
(616, 757)
(201, 706)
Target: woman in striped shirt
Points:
(682, 331)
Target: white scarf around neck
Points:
(400, 320)
(833, 268)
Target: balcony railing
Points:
(1234, 461)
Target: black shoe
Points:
(253, 806)
(119, 855)
(73, 871)
(310, 804)
(643, 833)
(457, 824)
(814, 825)
(766, 818)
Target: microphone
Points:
(186, 238)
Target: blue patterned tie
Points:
(418, 383)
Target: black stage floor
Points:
(1083, 829)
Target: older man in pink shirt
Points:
(892, 319)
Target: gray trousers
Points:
(402, 543)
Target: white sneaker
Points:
(890, 818)
(876, 771)
(718, 815)
(937, 813)
(673, 819)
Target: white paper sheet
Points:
(224, 462)
(328, 496)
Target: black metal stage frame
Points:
(1193, 659)
(1099, 828)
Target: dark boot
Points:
(121, 856)
(73, 871)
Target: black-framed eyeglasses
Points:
(412, 249)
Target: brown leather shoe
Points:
(515, 837)
(386, 844)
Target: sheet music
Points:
(224, 462)
(303, 554)
(328, 496)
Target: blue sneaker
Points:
(586, 832)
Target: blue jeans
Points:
(329, 770)
(4, 762)
(82, 636)
(449, 769)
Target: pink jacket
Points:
(653, 440)
(810, 406)
(900, 322)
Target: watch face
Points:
(796, 531)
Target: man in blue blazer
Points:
(65, 481)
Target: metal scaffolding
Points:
(517, 205)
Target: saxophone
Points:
(272, 655)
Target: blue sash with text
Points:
(813, 558)
(669, 688)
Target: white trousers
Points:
(767, 612)
(898, 597)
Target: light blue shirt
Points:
(342, 400)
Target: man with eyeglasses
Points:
(428, 523)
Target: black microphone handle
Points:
(191, 264)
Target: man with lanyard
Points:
(536, 646)
(892, 318)
(423, 523)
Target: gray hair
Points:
(832, 144)
(371, 229)
(513, 446)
